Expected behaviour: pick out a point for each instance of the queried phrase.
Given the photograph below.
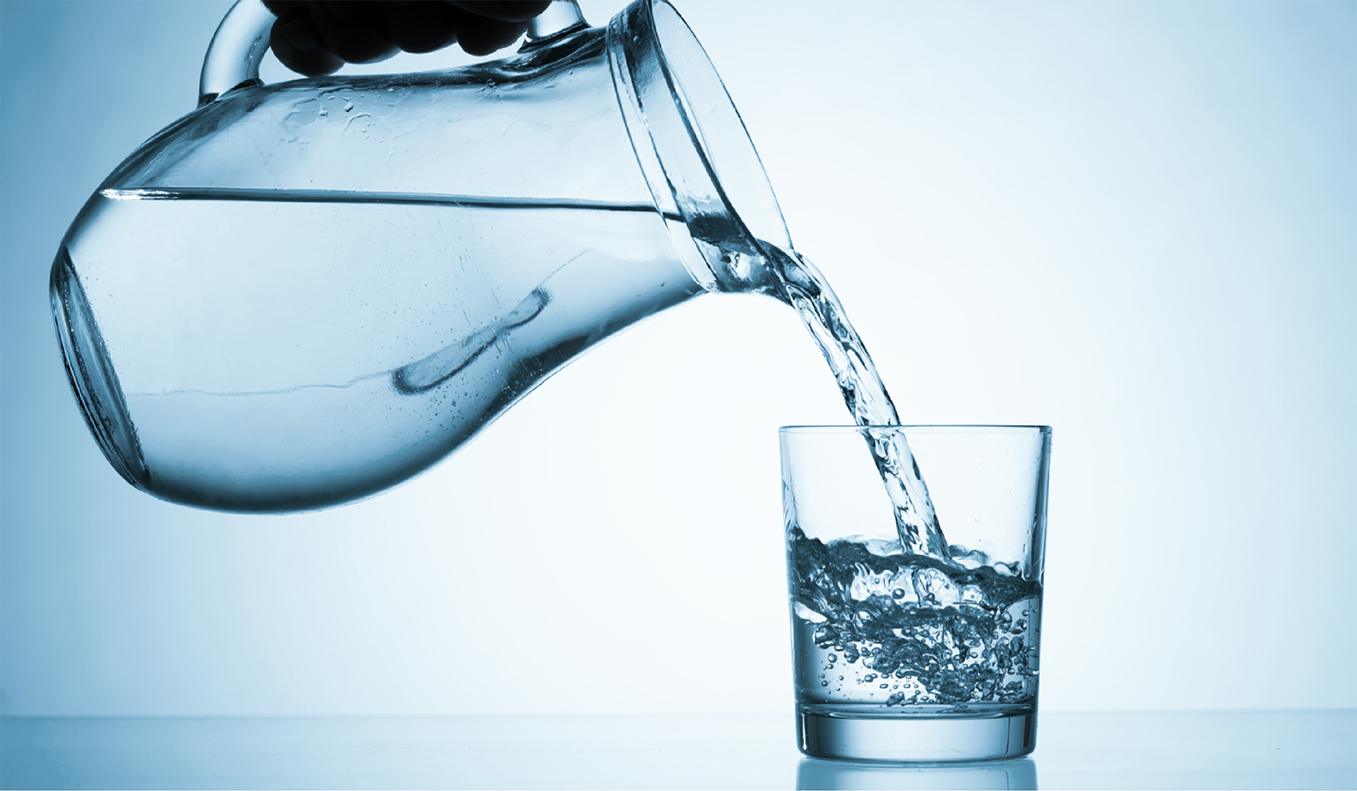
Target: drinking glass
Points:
(905, 657)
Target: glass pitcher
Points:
(301, 294)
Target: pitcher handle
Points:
(242, 38)
(236, 50)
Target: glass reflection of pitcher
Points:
(301, 294)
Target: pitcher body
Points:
(302, 294)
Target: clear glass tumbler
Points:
(902, 657)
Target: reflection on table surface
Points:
(1283, 749)
(817, 773)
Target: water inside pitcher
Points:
(304, 293)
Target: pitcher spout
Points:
(694, 151)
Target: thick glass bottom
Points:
(868, 734)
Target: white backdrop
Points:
(1131, 221)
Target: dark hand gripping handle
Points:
(242, 38)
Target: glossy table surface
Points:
(1250, 749)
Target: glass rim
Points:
(921, 428)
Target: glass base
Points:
(824, 732)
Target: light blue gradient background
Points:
(1134, 221)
